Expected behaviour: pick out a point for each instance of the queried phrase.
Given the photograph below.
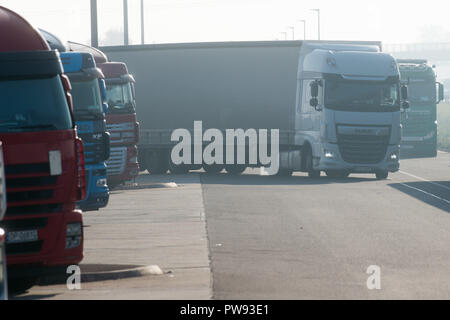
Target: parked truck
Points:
(89, 100)
(44, 158)
(3, 272)
(121, 116)
(420, 122)
(336, 104)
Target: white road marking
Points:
(427, 193)
(425, 180)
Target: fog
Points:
(236, 20)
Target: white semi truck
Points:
(336, 105)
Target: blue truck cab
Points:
(89, 100)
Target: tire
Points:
(21, 285)
(382, 175)
(309, 164)
(235, 169)
(285, 172)
(213, 168)
(178, 169)
(337, 174)
(156, 162)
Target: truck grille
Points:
(29, 189)
(117, 161)
(363, 149)
(93, 147)
(116, 130)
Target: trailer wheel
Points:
(285, 172)
(382, 175)
(235, 169)
(178, 169)
(337, 174)
(22, 284)
(156, 162)
(213, 168)
(309, 163)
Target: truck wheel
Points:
(337, 174)
(235, 169)
(156, 163)
(382, 175)
(178, 169)
(21, 285)
(309, 164)
(285, 172)
(213, 168)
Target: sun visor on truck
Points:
(30, 63)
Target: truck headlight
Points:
(74, 233)
(393, 156)
(328, 154)
(102, 183)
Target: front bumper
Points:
(49, 250)
(337, 163)
(97, 195)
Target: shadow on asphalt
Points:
(250, 177)
(429, 193)
(32, 297)
(255, 179)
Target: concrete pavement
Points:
(153, 226)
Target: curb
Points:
(122, 274)
(146, 186)
(152, 270)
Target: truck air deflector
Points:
(27, 64)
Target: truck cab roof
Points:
(19, 35)
(80, 62)
(367, 64)
(116, 70)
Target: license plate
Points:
(22, 236)
(362, 169)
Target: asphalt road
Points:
(301, 238)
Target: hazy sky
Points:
(391, 21)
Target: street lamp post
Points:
(318, 21)
(94, 24)
(293, 31)
(142, 23)
(125, 23)
(304, 28)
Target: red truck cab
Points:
(121, 123)
(44, 163)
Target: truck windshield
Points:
(120, 98)
(86, 97)
(422, 92)
(362, 96)
(37, 104)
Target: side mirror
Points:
(105, 107)
(107, 147)
(102, 85)
(405, 105)
(440, 92)
(314, 102)
(133, 91)
(404, 92)
(314, 89)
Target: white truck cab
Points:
(348, 107)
